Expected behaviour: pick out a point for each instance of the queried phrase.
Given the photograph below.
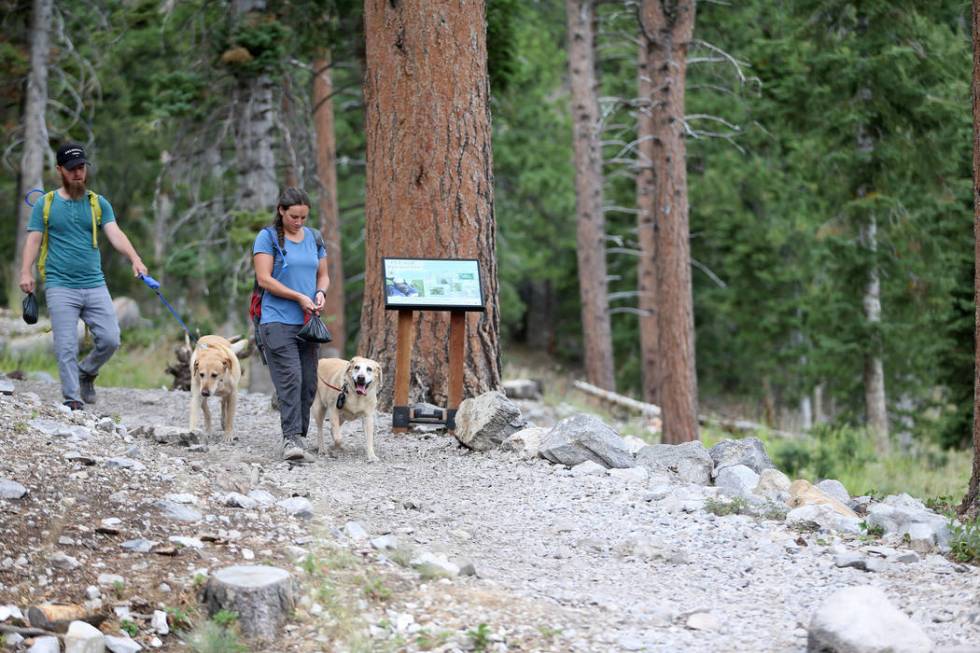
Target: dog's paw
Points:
(372, 458)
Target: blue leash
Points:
(154, 285)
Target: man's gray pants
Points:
(292, 366)
(94, 307)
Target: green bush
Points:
(964, 542)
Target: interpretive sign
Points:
(427, 284)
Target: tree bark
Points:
(590, 221)
(874, 372)
(258, 186)
(429, 179)
(326, 169)
(970, 507)
(669, 27)
(646, 190)
(35, 136)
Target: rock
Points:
(84, 638)
(862, 620)
(834, 489)
(521, 389)
(485, 421)
(583, 437)
(6, 387)
(236, 500)
(56, 429)
(803, 493)
(45, 645)
(261, 595)
(773, 484)
(355, 531)
(588, 468)
(139, 545)
(178, 511)
(736, 480)
(121, 462)
(434, 565)
(80, 458)
(749, 452)
(188, 542)
(297, 507)
(688, 462)
(702, 621)
(385, 543)
(183, 498)
(122, 644)
(111, 579)
(633, 443)
(11, 489)
(159, 623)
(858, 561)
(63, 561)
(902, 514)
(525, 442)
(262, 497)
(58, 618)
(825, 517)
(630, 474)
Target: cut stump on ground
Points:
(262, 597)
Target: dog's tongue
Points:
(360, 388)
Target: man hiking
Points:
(64, 229)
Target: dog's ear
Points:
(349, 370)
(194, 370)
(226, 364)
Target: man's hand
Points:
(138, 268)
(27, 282)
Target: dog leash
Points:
(342, 397)
(154, 285)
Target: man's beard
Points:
(75, 189)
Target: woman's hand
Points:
(319, 299)
(307, 304)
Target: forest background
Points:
(780, 184)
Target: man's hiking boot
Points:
(86, 387)
(75, 405)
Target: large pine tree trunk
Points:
(591, 226)
(35, 135)
(646, 190)
(874, 372)
(258, 186)
(971, 502)
(429, 179)
(326, 170)
(670, 26)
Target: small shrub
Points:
(774, 511)
(179, 618)
(479, 637)
(129, 627)
(209, 637)
(721, 507)
(118, 587)
(964, 541)
(549, 632)
(872, 531)
(427, 641)
(805, 527)
(374, 588)
(225, 618)
(944, 505)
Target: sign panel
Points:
(432, 284)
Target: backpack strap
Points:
(96, 207)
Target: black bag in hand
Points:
(30, 308)
(314, 331)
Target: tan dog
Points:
(215, 371)
(358, 381)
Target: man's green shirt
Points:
(72, 262)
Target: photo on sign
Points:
(437, 284)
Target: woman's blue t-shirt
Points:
(297, 272)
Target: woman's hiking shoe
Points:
(292, 450)
(86, 387)
(75, 405)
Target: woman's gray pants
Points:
(292, 366)
(94, 307)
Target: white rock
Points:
(111, 579)
(702, 621)
(122, 644)
(862, 620)
(835, 489)
(236, 500)
(385, 543)
(262, 497)
(588, 468)
(737, 480)
(297, 507)
(355, 531)
(11, 489)
(45, 645)
(773, 484)
(825, 517)
(187, 499)
(438, 563)
(84, 638)
(629, 474)
(525, 442)
(189, 542)
(159, 623)
(633, 443)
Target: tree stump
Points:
(261, 595)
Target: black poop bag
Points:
(314, 331)
(30, 308)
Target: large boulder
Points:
(747, 451)
(824, 516)
(905, 515)
(773, 484)
(583, 437)
(736, 480)
(688, 462)
(804, 493)
(485, 421)
(862, 620)
(525, 442)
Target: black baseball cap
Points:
(71, 155)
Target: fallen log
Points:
(28, 632)
(734, 426)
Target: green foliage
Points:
(479, 637)
(209, 637)
(831, 452)
(129, 627)
(724, 507)
(225, 618)
(873, 531)
(964, 540)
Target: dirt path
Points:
(563, 562)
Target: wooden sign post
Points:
(452, 285)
